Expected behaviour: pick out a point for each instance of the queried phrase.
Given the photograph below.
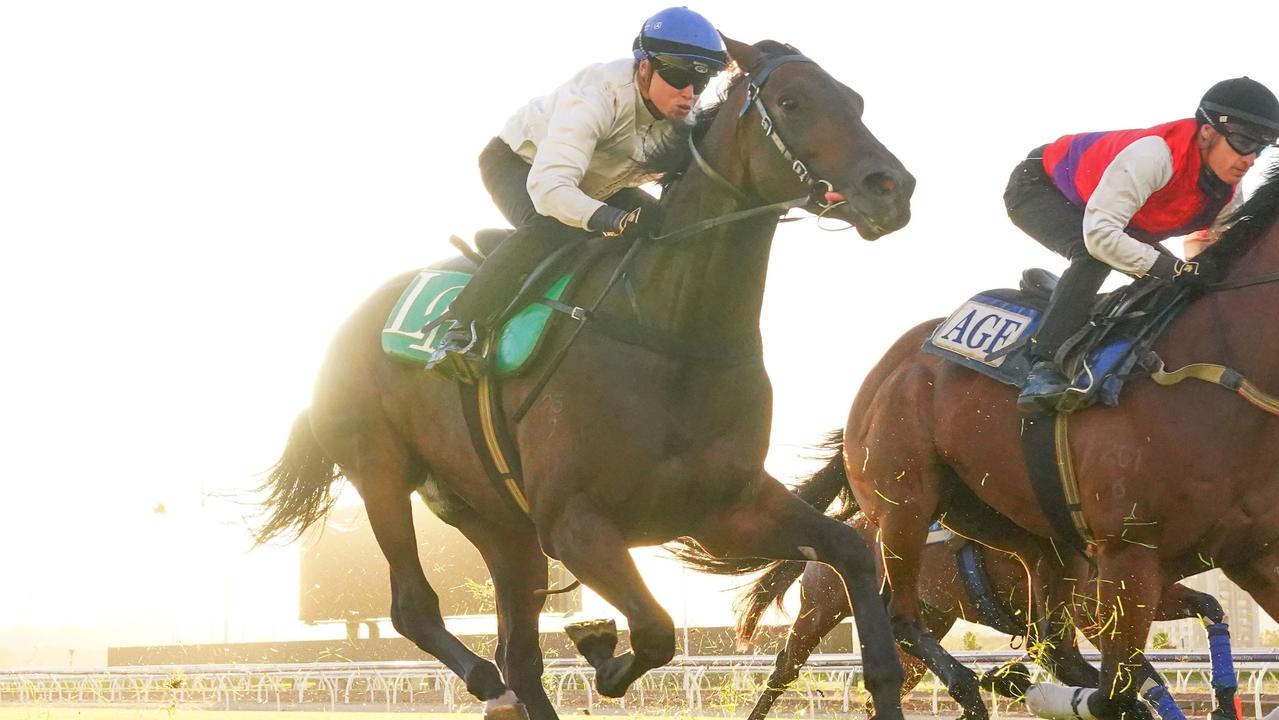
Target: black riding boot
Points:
(1067, 311)
(494, 285)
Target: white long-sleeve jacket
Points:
(586, 140)
(1136, 173)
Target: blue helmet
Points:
(680, 37)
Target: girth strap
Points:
(482, 410)
(1046, 446)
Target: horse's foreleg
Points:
(1180, 602)
(415, 608)
(1055, 648)
(903, 533)
(1260, 579)
(593, 549)
(1053, 638)
(773, 523)
(1126, 607)
(823, 604)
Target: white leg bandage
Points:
(1059, 702)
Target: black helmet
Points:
(1244, 111)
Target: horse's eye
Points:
(789, 104)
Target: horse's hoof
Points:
(594, 639)
(506, 707)
(1011, 680)
(614, 677)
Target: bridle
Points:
(817, 187)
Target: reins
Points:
(1244, 282)
(585, 314)
(818, 190)
(1222, 375)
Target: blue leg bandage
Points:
(1223, 661)
(1167, 708)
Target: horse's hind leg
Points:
(593, 549)
(823, 604)
(518, 568)
(771, 522)
(382, 480)
(520, 599)
(902, 537)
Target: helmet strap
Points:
(644, 83)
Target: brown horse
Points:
(822, 606)
(631, 443)
(988, 586)
(1173, 481)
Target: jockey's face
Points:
(1222, 159)
(674, 104)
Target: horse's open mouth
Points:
(869, 229)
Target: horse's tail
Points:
(830, 482)
(818, 490)
(769, 588)
(298, 485)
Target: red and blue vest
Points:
(1076, 162)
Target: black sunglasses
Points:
(680, 77)
(1242, 141)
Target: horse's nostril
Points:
(880, 183)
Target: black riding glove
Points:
(1191, 274)
(611, 221)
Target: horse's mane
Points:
(1248, 224)
(672, 157)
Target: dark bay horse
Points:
(1175, 480)
(628, 444)
(1001, 598)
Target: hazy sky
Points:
(194, 195)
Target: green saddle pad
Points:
(430, 294)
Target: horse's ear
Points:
(746, 56)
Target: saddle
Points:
(486, 241)
(413, 328)
(991, 333)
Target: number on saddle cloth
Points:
(429, 294)
(990, 333)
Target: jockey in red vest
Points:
(1105, 200)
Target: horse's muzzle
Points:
(878, 203)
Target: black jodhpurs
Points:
(1036, 206)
